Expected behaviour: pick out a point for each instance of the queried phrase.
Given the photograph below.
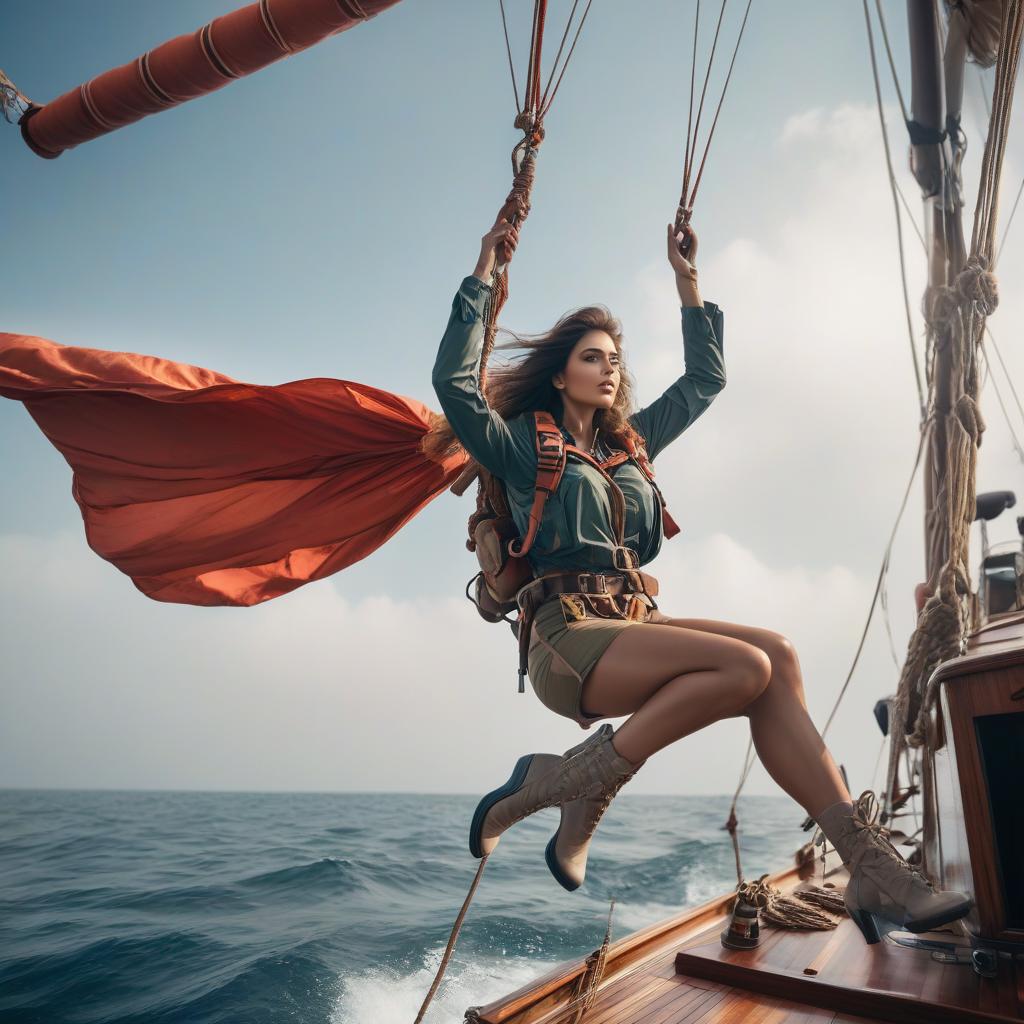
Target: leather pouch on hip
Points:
(579, 607)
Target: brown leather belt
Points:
(530, 597)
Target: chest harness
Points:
(506, 581)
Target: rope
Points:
(687, 153)
(1002, 405)
(451, 939)
(956, 316)
(922, 408)
(703, 93)
(733, 821)
(584, 993)
(880, 591)
(881, 576)
(508, 49)
(547, 106)
(688, 195)
(13, 102)
(892, 63)
(440, 440)
(1009, 221)
(808, 908)
(1009, 379)
(721, 99)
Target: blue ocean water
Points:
(141, 907)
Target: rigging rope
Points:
(957, 316)
(441, 440)
(449, 949)
(1009, 379)
(1002, 405)
(922, 406)
(688, 195)
(892, 63)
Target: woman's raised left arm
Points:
(678, 406)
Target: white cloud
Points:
(315, 691)
(786, 491)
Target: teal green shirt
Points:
(576, 530)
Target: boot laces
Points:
(570, 763)
(865, 819)
(607, 795)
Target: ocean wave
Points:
(240, 909)
(393, 995)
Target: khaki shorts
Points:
(579, 644)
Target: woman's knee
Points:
(750, 675)
(781, 653)
(785, 663)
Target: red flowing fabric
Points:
(188, 66)
(208, 491)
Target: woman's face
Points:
(592, 373)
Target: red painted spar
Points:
(188, 66)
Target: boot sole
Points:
(553, 867)
(926, 924)
(873, 927)
(515, 782)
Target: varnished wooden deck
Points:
(679, 973)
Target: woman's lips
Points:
(607, 387)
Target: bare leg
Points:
(671, 681)
(789, 746)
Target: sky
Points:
(316, 219)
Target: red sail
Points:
(192, 65)
(208, 491)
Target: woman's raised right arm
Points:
(505, 449)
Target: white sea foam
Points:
(631, 917)
(703, 885)
(387, 996)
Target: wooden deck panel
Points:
(643, 985)
(681, 974)
(836, 970)
(654, 993)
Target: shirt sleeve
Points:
(668, 416)
(503, 447)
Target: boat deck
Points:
(684, 976)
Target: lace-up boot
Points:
(544, 780)
(566, 852)
(884, 891)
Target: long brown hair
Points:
(524, 386)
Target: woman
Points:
(592, 658)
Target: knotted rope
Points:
(811, 908)
(955, 316)
(584, 992)
(440, 441)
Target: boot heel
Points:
(552, 862)
(515, 781)
(866, 922)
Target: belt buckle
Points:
(628, 554)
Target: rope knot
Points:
(977, 284)
(530, 126)
(940, 306)
(969, 415)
